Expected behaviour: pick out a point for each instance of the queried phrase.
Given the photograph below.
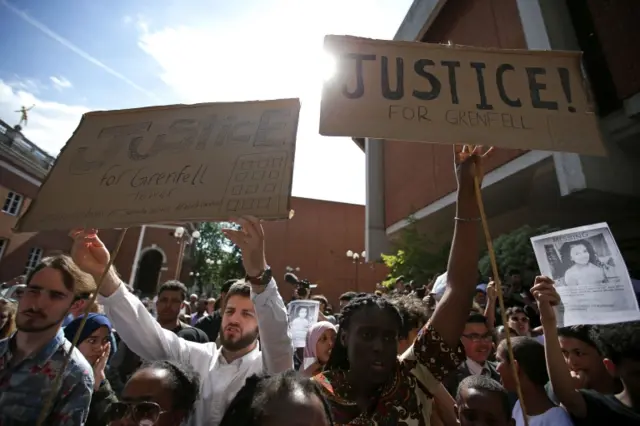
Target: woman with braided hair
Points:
(364, 380)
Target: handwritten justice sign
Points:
(435, 93)
(177, 163)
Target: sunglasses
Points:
(143, 413)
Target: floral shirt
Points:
(406, 399)
(25, 387)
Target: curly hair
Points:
(618, 342)
(184, 382)
(339, 359)
(414, 313)
(252, 404)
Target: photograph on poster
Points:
(302, 315)
(589, 274)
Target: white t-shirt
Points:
(556, 416)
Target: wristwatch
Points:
(262, 279)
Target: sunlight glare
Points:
(329, 66)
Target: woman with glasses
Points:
(161, 393)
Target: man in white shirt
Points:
(530, 363)
(249, 307)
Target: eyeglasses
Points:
(479, 337)
(519, 319)
(143, 413)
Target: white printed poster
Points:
(590, 275)
(302, 315)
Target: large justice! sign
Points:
(448, 94)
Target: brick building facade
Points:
(521, 186)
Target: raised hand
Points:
(99, 366)
(468, 164)
(250, 239)
(492, 293)
(89, 252)
(547, 297)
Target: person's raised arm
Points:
(135, 325)
(453, 309)
(561, 381)
(275, 342)
(437, 348)
(490, 309)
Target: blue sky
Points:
(72, 56)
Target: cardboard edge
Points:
(332, 38)
(184, 106)
(573, 230)
(19, 225)
(293, 158)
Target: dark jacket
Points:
(210, 325)
(100, 400)
(452, 380)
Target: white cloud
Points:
(275, 51)
(50, 124)
(60, 82)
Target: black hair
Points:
(515, 310)
(476, 318)
(580, 332)
(339, 359)
(252, 403)
(291, 278)
(530, 356)
(320, 298)
(618, 342)
(173, 285)
(413, 311)
(226, 286)
(487, 384)
(348, 296)
(183, 380)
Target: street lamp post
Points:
(183, 238)
(358, 259)
(195, 279)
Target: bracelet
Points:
(466, 219)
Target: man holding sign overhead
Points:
(251, 305)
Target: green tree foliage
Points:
(216, 259)
(514, 251)
(415, 258)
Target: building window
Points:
(3, 245)
(12, 203)
(35, 254)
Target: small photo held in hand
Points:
(302, 315)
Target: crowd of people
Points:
(413, 355)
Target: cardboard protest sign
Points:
(518, 99)
(171, 164)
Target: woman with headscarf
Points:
(97, 344)
(320, 339)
